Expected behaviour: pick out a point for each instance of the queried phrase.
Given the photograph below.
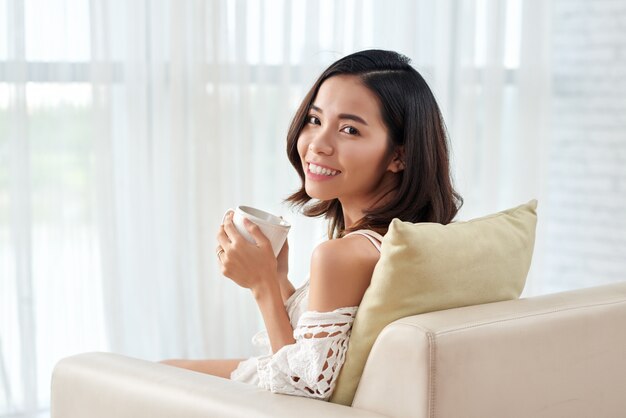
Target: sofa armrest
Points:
(559, 355)
(99, 385)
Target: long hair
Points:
(413, 121)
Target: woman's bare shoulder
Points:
(341, 270)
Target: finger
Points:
(218, 252)
(256, 233)
(223, 239)
(229, 228)
(228, 212)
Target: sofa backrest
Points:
(555, 355)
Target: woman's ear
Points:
(397, 161)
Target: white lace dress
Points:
(310, 366)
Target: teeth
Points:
(320, 170)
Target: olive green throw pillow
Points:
(427, 267)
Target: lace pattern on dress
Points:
(310, 366)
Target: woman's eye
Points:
(350, 130)
(313, 120)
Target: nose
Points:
(321, 143)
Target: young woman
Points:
(369, 144)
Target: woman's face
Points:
(343, 145)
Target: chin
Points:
(317, 194)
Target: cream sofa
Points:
(559, 355)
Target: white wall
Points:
(586, 194)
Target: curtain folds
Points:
(128, 128)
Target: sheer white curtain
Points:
(494, 61)
(128, 128)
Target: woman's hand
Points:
(251, 266)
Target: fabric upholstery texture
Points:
(558, 355)
(428, 267)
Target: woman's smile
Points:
(320, 173)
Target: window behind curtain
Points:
(50, 256)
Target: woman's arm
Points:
(286, 288)
(341, 271)
(253, 266)
(275, 317)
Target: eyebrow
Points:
(343, 115)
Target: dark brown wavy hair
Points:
(414, 123)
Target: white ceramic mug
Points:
(272, 226)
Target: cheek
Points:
(302, 145)
(370, 155)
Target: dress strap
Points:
(374, 237)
